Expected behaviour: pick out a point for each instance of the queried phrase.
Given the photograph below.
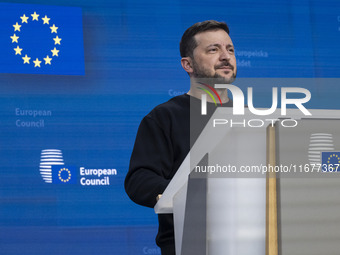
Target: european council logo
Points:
(331, 161)
(38, 39)
(53, 169)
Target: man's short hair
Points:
(188, 42)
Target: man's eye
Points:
(231, 50)
(213, 50)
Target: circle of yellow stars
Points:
(68, 175)
(333, 156)
(18, 51)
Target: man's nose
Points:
(225, 55)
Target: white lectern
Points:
(225, 212)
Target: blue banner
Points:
(331, 161)
(38, 39)
(64, 174)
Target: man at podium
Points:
(164, 137)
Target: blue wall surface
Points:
(116, 61)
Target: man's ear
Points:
(186, 63)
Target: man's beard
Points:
(217, 78)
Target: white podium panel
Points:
(309, 201)
(219, 202)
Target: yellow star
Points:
(37, 62)
(35, 16)
(46, 20)
(17, 50)
(53, 29)
(26, 59)
(16, 27)
(55, 52)
(47, 60)
(57, 40)
(24, 19)
(14, 38)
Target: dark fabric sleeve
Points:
(150, 164)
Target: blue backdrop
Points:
(115, 61)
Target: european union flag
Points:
(41, 39)
(64, 174)
(331, 161)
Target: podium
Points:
(227, 212)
